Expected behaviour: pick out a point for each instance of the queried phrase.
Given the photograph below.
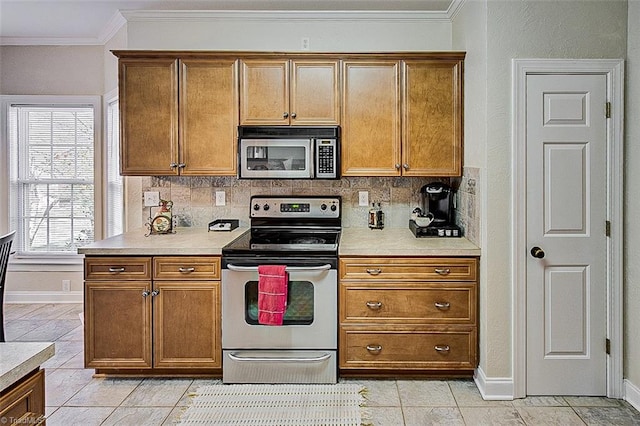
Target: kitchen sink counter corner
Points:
(401, 242)
(189, 241)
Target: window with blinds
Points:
(115, 189)
(52, 177)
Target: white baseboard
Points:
(632, 394)
(494, 389)
(43, 297)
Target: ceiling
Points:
(24, 22)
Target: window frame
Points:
(95, 102)
(109, 99)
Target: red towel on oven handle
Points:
(273, 282)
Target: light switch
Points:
(220, 198)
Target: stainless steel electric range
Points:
(303, 234)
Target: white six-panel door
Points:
(566, 289)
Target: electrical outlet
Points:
(363, 198)
(220, 198)
(305, 43)
(66, 285)
(151, 198)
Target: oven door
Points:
(310, 321)
(276, 158)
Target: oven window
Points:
(300, 303)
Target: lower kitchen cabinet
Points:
(23, 403)
(408, 315)
(152, 313)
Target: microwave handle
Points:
(289, 268)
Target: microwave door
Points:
(276, 158)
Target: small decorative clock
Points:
(162, 223)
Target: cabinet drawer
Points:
(186, 267)
(407, 348)
(409, 269)
(431, 303)
(24, 402)
(117, 268)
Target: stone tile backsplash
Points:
(194, 197)
(468, 204)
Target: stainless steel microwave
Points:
(279, 152)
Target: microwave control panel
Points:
(326, 158)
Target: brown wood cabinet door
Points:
(264, 92)
(432, 121)
(186, 324)
(371, 118)
(314, 93)
(117, 324)
(208, 117)
(148, 116)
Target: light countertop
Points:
(17, 359)
(353, 242)
(185, 241)
(401, 242)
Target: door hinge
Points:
(607, 110)
(607, 228)
(608, 346)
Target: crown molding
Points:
(114, 25)
(454, 8)
(50, 41)
(281, 15)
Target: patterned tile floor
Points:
(73, 397)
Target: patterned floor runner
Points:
(276, 405)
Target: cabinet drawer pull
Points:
(186, 270)
(442, 305)
(374, 349)
(115, 270)
(441, 348)
(443, 271)
(146, 293)
(376, 271)
(374, 305)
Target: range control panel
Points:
(311, 207)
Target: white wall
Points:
(331, 32)
(632, 204)
(523, 29)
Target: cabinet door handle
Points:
(145, 293)
(442, 271)
(181, 165)
(154, 293)
(285, 114)
(376, 271)
(441, 348)
(293, 115)
(115, 269)
(173, 165)
(186, 270)
(374, 349)
(397, 166)
(442, 305)
(405, 166)
(374, 306)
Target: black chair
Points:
(5, 251)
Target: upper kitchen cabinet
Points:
(208, 117)
(402, 117)
(289, 92)
(178, 114)
(371, 118)
(432, 118)
(148, 95)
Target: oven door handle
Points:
(321, 358)
(289, 268)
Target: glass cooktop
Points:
(284, 240)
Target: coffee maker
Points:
(437, 206)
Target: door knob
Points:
(537, 252)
